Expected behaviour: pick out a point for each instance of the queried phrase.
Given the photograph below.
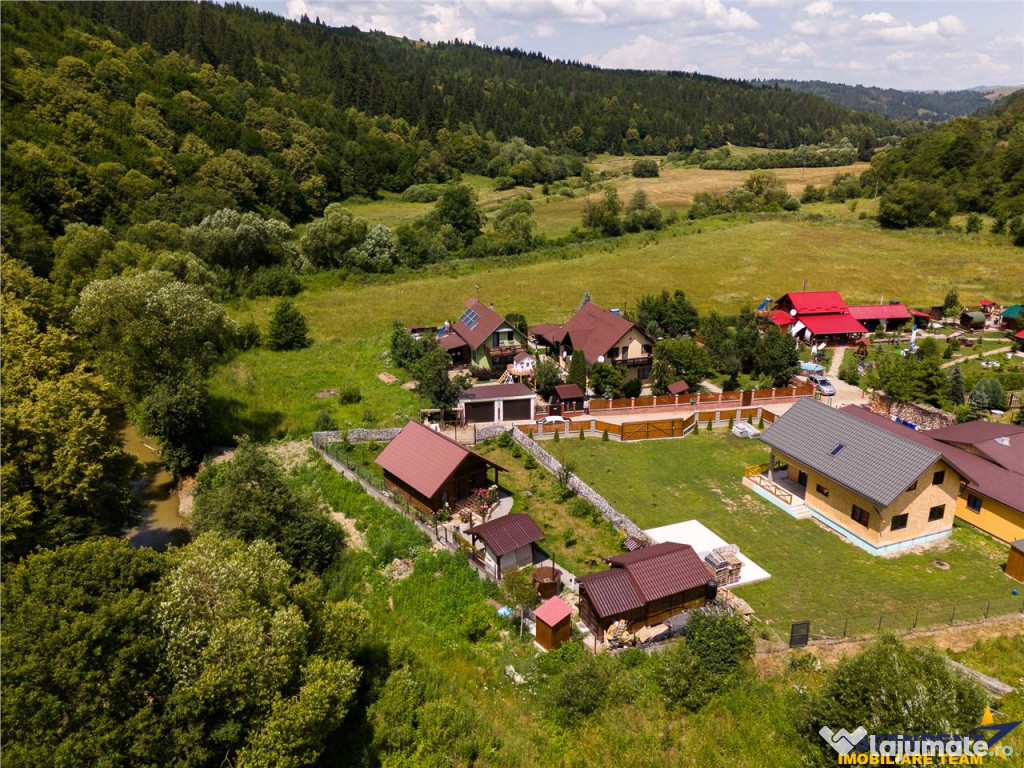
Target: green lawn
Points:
(720, 263)
(815, 575)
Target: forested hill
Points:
(121, 112)
(930, 106)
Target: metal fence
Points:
(921, 617)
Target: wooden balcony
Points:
(506, 350)
(632, 362)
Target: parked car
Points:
(823, 385)
(552, 420)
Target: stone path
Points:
(837, 360)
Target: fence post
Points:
(918, 611)
(845, 625)
(987, 606)
(952, 615)
(879, 624)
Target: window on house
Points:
(822, 490)
(648, 349)
(860, 515)
(613, 352)
(912, 486)
(973, 502)
(625, 351)
(939, 477)
(936, 513)
(899, 522)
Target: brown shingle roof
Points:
(568, 391)
(452, 340)
(594, 330)
(488, 323)
(545, 331)
(507, 533)
(486, 392)
(1000, 443)
(424, 459)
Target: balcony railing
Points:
(505, 350)
(632, 361)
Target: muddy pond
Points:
(161, 525)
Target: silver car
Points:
(823, 385)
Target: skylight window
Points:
(835, 451)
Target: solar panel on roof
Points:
(470, 319)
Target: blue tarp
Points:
(812, 368)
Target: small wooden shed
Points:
(1015, 562)
(568, 398)
(553, 625)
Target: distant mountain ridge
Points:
(930, 106)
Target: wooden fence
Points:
(650, 429)
(704, 400)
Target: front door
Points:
(802, 478)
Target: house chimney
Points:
(492, 306)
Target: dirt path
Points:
(353, 536)
(956, 638)
(965, 358)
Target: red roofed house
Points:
(989, 455)
(553, 625)
(1019, 336)
(568, 398)
(888, 316)
(818, 316)
(483, 339)
(678, 387)
(508, 541)
(430, 470)
(644, 587)
(605, 337)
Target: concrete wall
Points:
(838, 505)
(994, 517)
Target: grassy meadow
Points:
(668, 481)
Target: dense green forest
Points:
(971, 164)
(929, 106)
(119, 113)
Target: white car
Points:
(552, 420)
(823, 385)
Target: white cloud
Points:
(947, 26)
(882, 17)
(800, 50)
(819, 8)
(544, 31)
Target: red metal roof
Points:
(879, 312)
(644, 576)
(507, 533)
(987, 303)
(984, 476)
(678, 387)
(664, 569)
(452, 340)
(594, 330)
(553, 611)
(488, 323)
(424, 459)
(816, 302)
(1019, 335)
(822, 325)
(919, 313)
(611, 592)
(781, 318)
(485, 392)
(569, 392)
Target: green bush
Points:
(582, 435)
(645, 168)
(581, 508)
(324, 422)
(422, 193)
(288, 328)
(504, 440)
(248, 335)
(604, 436)
(349, 394)
(530, 462)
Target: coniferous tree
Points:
(578, 370)
(288, 328)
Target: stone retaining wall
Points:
(925, 416)
(358, 435)
(584, 491)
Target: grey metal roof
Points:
(872, 461)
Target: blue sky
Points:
(909, 45)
